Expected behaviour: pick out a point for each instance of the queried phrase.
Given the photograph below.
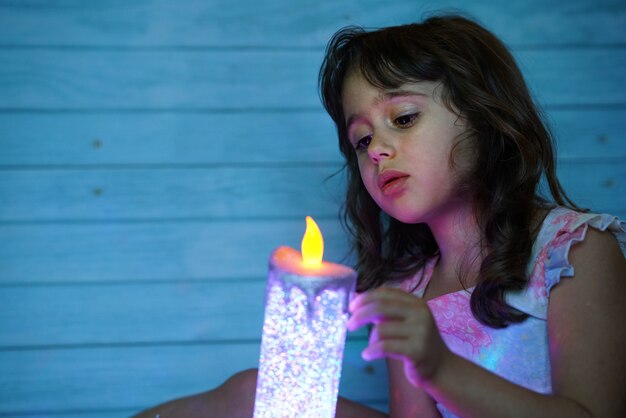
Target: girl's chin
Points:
(405, 218)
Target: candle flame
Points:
(312, 244)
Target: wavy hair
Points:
(511, 144)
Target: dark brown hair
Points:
(512, 146)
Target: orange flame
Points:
(312, 244)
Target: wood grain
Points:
(171, 193)
(253, 79)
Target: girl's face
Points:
(403, 139)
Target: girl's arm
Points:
(587, 343)
(406, 400)
(586, 334)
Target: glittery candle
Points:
(304, 332)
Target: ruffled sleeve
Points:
(550, 256)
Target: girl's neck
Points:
(459, 239)
(461, 249)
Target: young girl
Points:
(486, 299)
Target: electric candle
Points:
(304, 331)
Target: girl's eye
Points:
(363, 143)
(406, 121)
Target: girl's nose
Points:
(379, 149)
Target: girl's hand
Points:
(403, 329)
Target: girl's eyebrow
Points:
(386, 96)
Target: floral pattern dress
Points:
(519, 352)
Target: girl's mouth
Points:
(391, 181)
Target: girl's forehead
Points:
(357, 91)
(355, 80)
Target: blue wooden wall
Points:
(154, 152)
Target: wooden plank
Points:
(287, 23)
(95, 379)
(217, 79)
(253, 79)
(159, 313)
(151, 251)
(167, 138)
(239, 137)
(228, 193)
(142, 194)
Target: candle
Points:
(304, 331)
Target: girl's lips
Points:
(391, 181)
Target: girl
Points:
(486, 299)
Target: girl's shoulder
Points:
(561, 229)
(561, 222)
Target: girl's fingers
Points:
(379, 294)
(392, 349)
(376, 312)
(382, 305)
(392, 330)
(403, 329)
(398, 338)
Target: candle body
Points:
(303, 339)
